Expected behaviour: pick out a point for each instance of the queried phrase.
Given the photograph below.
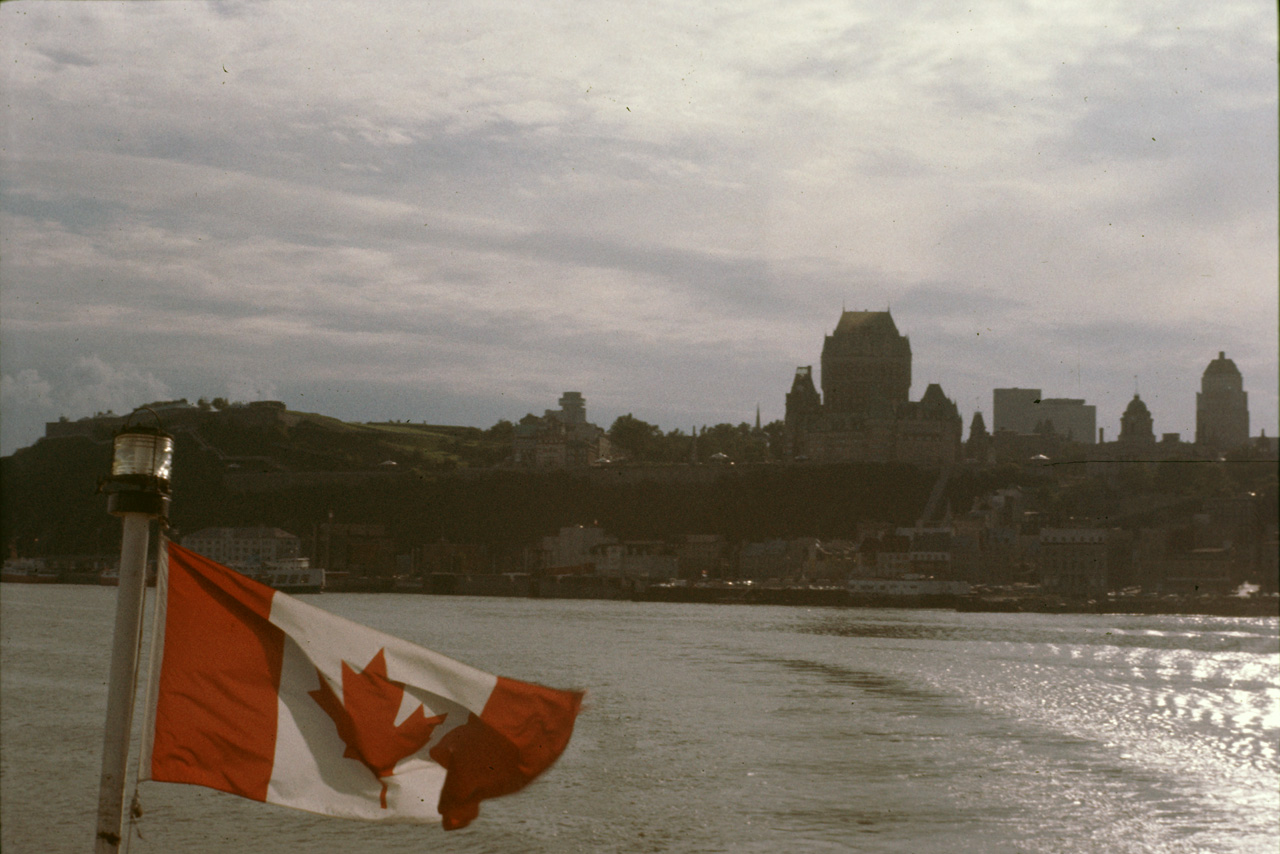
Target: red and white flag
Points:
(264, 696)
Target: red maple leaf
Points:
(366, 718)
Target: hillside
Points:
(264, 465)
(292, 470)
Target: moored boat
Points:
(291, 575)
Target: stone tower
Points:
(866, 365)
(804, 406)
(978, 446)
(573, 408)
(1222, 406)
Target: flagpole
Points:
(139, 492)
(124, 681)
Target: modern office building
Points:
(1026, 410)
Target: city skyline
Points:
(1020, 414)
(454, 216)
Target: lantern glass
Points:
(145, 454)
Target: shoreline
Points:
(520, 586)
(1212, 606)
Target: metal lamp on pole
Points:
(138, 492)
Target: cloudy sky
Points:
(453, 212)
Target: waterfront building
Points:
(241, 547)
(355, 550)
(1222, 406)
(638, 560)
(1199, 571)
(456, 558)
(776, 560)
(832, 561)
(1073, 561)
(702, 556)
(573, 546)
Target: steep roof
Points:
(804, 380)
(1222, 365)
(866, 321)
(935, 403)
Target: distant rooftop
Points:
(1222, 365)
(866, 321)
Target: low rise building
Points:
(638, 560)
(702, 556)
(1073, 561)
(356, 550)
(573, 547)
(244, 547)
(1199, 571)
(776, 559)
(561, 438)
(456, 558)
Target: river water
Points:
(742, 728)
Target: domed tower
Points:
(1222, 406)
(866, 365)
(1136, 424)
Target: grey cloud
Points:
(26, 388)
(451, 263)
(1193, 95)
(76, 213)
(233, 9)
(955, 300)
(85, 386)
(67, 57)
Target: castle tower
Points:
(866, 365)
(978, 445)
(573, 407)
(803, 408)
(1222, 406)
(978, 427)
(803, 398)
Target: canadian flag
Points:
(264, 696)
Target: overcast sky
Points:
(453, 212)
